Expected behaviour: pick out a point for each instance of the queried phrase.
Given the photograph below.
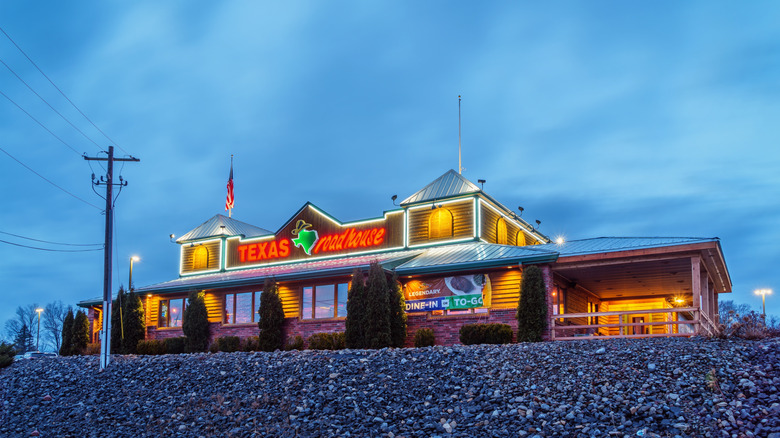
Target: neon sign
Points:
(350, 239)
(253, 252)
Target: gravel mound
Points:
(609, 388)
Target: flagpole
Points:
(230, 212)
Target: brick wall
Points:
(446, 329)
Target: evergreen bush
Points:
(177, 345)
(295, 343)
(377, 320)
(228, 344)
(471, 334)
(355, 329)
(7, 353)
(134, 321)
(327, 341)
(80, 333)
(424, 337)
(271, 317)
(195, 322)
(151, 347)
(397, 314)
(532, 308)
(66, 349)
(93, 349)
(117, 321)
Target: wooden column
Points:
(716, 306)
(705, 296)
(696, 289)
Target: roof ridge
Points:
(449, 184)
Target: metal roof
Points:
(614, 244)
(447, 185)
(293, 271)
(474, 255)
(213, 227)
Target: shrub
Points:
(228, 344)
(271, 317)
(397, 314)
(80, 333)
(749, 326)
(117, 321)
(135, 326)
(377, 320)
(532, 308)
(327, 341)
(251, 343)
(424, 337)
(356, 312)
(485, 334)
(151, 347)
(296, 343)
(195, 322)
(93, 349)
(7, 354)
(176, 345)
(66, 349)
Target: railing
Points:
(557, 324)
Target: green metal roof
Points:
(220, 225)
(448, 185)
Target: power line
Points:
(61, 92)
(47, 103)
(50, 250)
(49, 242)
(49, 181)
(42, 125)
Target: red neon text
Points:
(253, 252)
(351, 238)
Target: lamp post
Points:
(130, 282)
(763, 293)
(38, 340)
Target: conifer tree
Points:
(80, 333)
(24, 340)
(532, 308)
(134, 321)
(66, 349)
(271, 317)
(378, 308)
(195, 323)
(117, 321)
(355, 330)
(397, 313)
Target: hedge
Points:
(424, 337)
(485, 334)
(327, 341)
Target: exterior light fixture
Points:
(521, 210)
(560, 240)
(38, 341)
(481, 183)
(393, 198)
(763, 293)
(171, 237)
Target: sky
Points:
(600, 118)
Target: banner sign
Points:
(460, 292)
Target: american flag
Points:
(229, 200)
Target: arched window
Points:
(440, 224)
(501, 231)
(521, 239)
(200, 258)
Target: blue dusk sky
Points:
(600, 118)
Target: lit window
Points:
(171, 312)
(501, 231)
(440, 224)
(200, 258)
(324, 301)
(559, 300)
(521, 239)
(241, 308)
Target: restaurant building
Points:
(459, 255)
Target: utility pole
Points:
(105, 341)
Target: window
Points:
(440, 224)
(200, 258)
(324, 301)
(521, 239)
(242, 308)
(501, 231)
(171, 312)
(559, 300)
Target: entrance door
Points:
(638, 330)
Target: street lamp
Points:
(38, 341)
(130, 282)
(763, 293)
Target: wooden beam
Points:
(696, 285)
(580, 338)
(626, 312)
(679, 250)
(559, 265)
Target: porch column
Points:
(696, 289)
(705, 294)
(716, 306)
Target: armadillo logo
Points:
(306, 238)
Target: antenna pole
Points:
(460, 167)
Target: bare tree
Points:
(728, 311)
(53, 317)
(25, 319)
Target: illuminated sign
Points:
(448, 293)
(306, 237)
(351, 239)
(253, 252)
